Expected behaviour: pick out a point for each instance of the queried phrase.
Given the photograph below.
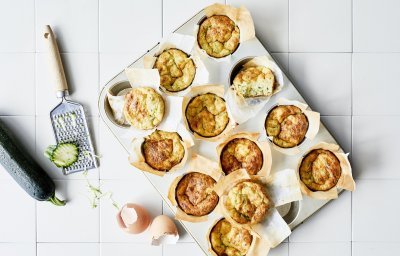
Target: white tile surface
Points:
(74, 222)
(74, 22)
(320, 26)
(375, 84)
(271, 22)
(138, 191)
(330, 224)
(175, 13)
(20, 37)
(45, 137)
(112, 63)
(376, 26)
(374, 248)
(340, 128)
(324, 80)
(182, 249)
(82, 77)
(17, 83)
(17, 220)
(114, 159)
(18, 249)
(282, 58)
(22, 129)
(129, 26)
(375, 211)
(375, 156)
(68, 249)
(320, 249)
(112, 249)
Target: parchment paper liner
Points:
(140, 77)
(199, 90)
(137, 159)
(345, 181)
(282, 188)
(184, 43)
(242, 18)
(262, 145)
(117, 105)
(199, 164)
(313, 119)
(258, 246)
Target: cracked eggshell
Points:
(163, 231)
(133, 218)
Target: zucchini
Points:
(63, 154)
(25, 170)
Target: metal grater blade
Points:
(69, 125)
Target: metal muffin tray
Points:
(219, 73)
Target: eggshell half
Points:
(163, 231)
(133, 218)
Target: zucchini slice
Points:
(65, 154)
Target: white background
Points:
(342, 55)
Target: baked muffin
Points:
(247, 202)
(320, 170)
(195, 195)
(218, 35)
(228, 240)
(254, 82)
(207, 115)
(241, 153)
(163, 150)
(176, 70)
(287, 125)
(144, 108)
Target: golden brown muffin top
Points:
(218, 35)
(228, 240)
(241, 153)
(254, 82)
(247, 202)
(320, 170)
(176, 70)
(163, 150)
(195, 194)
(287, 125)
(144, 108)
(207, 115)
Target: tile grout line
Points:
(98, 121)
(351, 121)
(35, 118)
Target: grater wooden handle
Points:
(55, 62)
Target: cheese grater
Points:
(68, 118)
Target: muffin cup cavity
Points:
(114, 103)
(245, 108)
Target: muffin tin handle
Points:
(55, 63)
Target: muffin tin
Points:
(294, 213)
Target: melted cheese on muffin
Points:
(320, 170)
(241, 153)
(247, 202)
(176, 70)
(254, 82)
(287, 125)
(207, 115)
(163, 150)
(195, 194)
(144, 108)
(228, 240)
(219, 36)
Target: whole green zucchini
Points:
(25, 171)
